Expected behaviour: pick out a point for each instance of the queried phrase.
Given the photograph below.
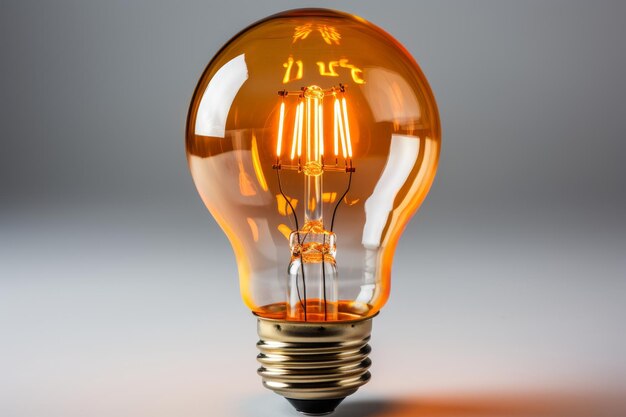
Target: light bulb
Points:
(312, 138)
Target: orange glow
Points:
(256, 163)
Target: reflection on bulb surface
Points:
(312, 137)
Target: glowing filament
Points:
(308, 130)
(316, 128)
(309, 152)
(320, 115)
(300, 116)
(281, 122)
(340, 127)
(347, 126)
(295, 133)
(336, 131)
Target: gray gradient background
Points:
(118, 292)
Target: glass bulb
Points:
(312, 137)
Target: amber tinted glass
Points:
(294, 113)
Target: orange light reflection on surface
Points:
(331, 68)
(256, 163)
(329, 33)
(284, 230)
(245, 184)
(254, 229)
(329, 197)
(325, 69)
(355, 72)
(289, 66)
(284, 208)
(302, 32)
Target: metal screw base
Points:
(314, 365)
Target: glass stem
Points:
(313, 198)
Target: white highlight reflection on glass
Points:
(403, 153)
(218, 97)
